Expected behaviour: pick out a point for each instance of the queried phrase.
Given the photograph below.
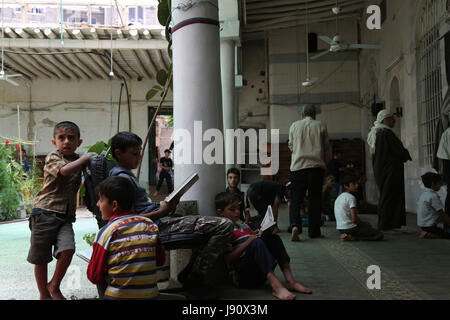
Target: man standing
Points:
(309, 143)
(166, 164)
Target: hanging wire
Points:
(3, 41)
(111, 73)
(307, 43)
(62, 19)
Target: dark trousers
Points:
(364, 233)
(260, 258)
(165, 175)
(310, 180)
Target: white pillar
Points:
(227, 63)
(197, 97)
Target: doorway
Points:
(159, 140)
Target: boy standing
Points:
(214, 232)
(54, 210)
(233, 179)
(346, 213)
(430, 208)
(125, 249)
(166, 164)
(253, 257)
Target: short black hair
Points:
(119, 189)
(429, 178)
(224, 199)
(234, 171)
(124, 140)
(167, 150)
(349, 178)
(67, 125)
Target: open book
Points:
(268, 223)
(85, 254)
(183, 188)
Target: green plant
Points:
(10, 180)
(89, 238)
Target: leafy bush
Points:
(16, 187)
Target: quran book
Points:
(183, 188)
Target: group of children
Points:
(128, 249)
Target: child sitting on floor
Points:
(430, 208)
(346, 212)
(125, 251)
(253, 257)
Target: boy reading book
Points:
(253, 256)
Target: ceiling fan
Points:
(309, 82)
(3, 76)
(335, 44)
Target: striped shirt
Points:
(59, 192)
(124, 254)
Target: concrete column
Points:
(227, 64)
(197, 98)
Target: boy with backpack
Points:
(54, 210)
(125, 251)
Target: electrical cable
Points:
(120, 101)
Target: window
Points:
(429, 84)
(136, 14)
(35, 10)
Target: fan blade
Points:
(317, 56)
(327, 40)
(364, 46)
(7, 76)
(12, 82)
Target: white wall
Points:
(398, 38)
(87, 103)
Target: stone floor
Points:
(411, 268)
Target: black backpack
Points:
(98, 171)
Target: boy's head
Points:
(233, 177)
(432, 180)
(167, 153)
(350, 183)
(227, 205)
(115, 194)
(126, 148)
(66, 137)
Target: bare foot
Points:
(55, 292)
(45, 297)
(283, 294)
(294, 235)
(298, 288)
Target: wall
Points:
(397, 60)
(86, 103)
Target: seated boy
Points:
(233, 179)
(124, 250)
(253, 257)
(430, 208)
(214, 232)
(54, 210)
(346, 213)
